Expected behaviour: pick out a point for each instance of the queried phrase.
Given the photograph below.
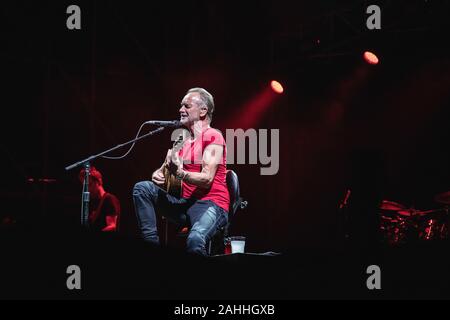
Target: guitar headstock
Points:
(178, 144)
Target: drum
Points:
(396, 225)
(394, 230)
(433, 224)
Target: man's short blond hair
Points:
(207, 99)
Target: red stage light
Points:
(276, 86)
(370, 57)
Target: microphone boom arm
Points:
(86, 164)
(89, 159)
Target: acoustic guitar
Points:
(172, 185)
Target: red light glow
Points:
(370, 57)
(276, 86)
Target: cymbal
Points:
(443, 198)
(407, 212)
(433, 212)
(391, 206)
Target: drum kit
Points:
(401, 225)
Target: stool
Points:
(217, 243)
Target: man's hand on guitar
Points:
(174, 163)
(167, 160)
(158, 177)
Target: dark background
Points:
(69, 94)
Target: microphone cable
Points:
(131, 147)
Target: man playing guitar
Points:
(199, 162)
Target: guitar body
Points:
(172, 185)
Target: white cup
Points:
(237, 244)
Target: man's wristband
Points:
(182, 175)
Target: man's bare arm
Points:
(111, 223)
(212, 157)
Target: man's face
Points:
(192, 109)
(94, 188)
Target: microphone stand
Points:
(86, 163)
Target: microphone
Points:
(173, 124)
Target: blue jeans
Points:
(203, 217)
